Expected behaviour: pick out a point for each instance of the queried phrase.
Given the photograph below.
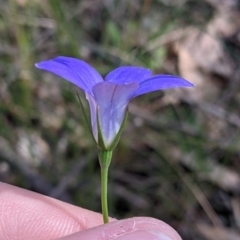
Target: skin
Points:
(25, 215)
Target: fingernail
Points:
(144, 235)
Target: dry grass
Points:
(178, 158)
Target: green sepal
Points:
(87, 116)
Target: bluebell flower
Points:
(108, 98)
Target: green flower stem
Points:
(104, 160)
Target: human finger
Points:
(140, 228)
(30, 215)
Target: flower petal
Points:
(159, 82)
(74, 70)
(112, 100)
(93, 112)
(127, 74)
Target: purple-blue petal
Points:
(74, 70)
(93, 112)
(112, 100)
(127, 74)
(159, 82)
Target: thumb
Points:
(141, 228)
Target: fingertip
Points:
(35, 216)
(140, 228)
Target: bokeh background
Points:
(179, 157)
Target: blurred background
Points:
(179, 156)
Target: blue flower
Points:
(108, 99)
